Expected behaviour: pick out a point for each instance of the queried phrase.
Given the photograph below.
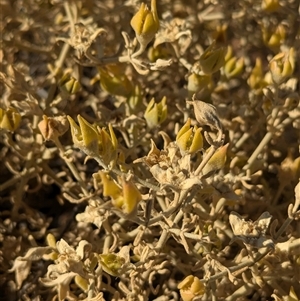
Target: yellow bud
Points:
(229, 53)
(110, 188)
(9, 119)
(212, 59)
(84, 136)
(220, 34)
(270, 6)
(233, 67)
(131, 197)
(145, 23)
(189, 139)
(114, 81)
(107, 143)
(190, 288)
(282, 66)
(198, 83)
(158, 52)
(89, 133)
(256, 78)
(121, 162)
(125, 196)
(216, 162)
(68, 84)
(273, 39)
(156, 113)
(135, 98)
(51, 241)
(53, 127)
(292, 295)
(112, 264)
(113, 137)
(81, 283)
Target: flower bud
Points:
(156, 113)
(110, 187)
(233, 67)
(114, 81)
(190, 288)
(220, 34)
(273, 39)
(53, 127)
(108, 144)
(81, 283)
(51, 241)
(84, 136)
(135, 98)
(121, 162)
(189, 139)
(158, 52)
(197, 83)
(229, 54)
(216, 162)
(125, 196)
(270, 6)
(112, 264)
(282, 66)
(68, 84)
(256, 79)
(130, 197)
(145, 23)
(212, 59)
(9, 119)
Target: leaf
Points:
(21, 269)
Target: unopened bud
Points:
(110, 187)
(270, 5)
(114, 81)
(212, 59)
(135, 98)
(216, 162)
(145, 23)
(9, 119)
(189, 139)
(282, 66)
(81, 283)
(273, 39)
(68, 84)
(131, 197)
(112, 263)
(197, 83)
(84, 136)
(190, 288)
(156, 113)
(233, 67)
(256, 79)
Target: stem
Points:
(282, 229)
(205, 160)
(240, 267)
(21, 187)
(30, 172)
(268, 136)
(241, 141)
(72, 168)
(119, 173)
(258, 150)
